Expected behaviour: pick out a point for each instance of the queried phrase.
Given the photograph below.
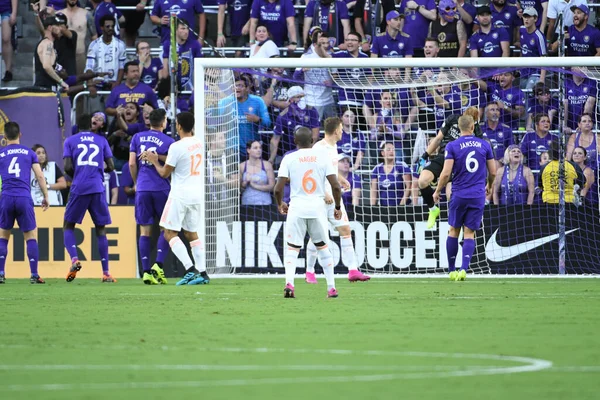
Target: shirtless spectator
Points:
(82, 22)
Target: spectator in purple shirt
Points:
(351, 97)
(353, 141)
(150, 65)
(535, 143)
(505, 16)
(239, 23)
(120, 139)
(510, 99)
(418, 14)
(279, 17)
(467, 12)
(349, 197)
(533, 44)
(390, 180)
(132, 90)
(393, 42)
(185, 10)
(542, 103)
(580, 97)
(489, 41)
(540, 6)
(331, 16)
(499, 135)
(582, 39)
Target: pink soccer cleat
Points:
(331, 293)
(356, 275)
(310, 277)
(288, 292)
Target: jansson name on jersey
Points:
(470, 143)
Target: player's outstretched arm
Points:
(163, 170)
(39, 176)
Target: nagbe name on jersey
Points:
(14, 151)
(152, 139)
(470, 144)
(310, 159)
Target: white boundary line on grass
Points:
(412, 276)
(528, 365)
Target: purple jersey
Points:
(287, 122)
(88, 152)
(583, 43)
(488, 44)
(184, 9)
(537, 4)
(351, 96)
(323, 17)
(150, 75)
(148, 179)
(140, 94)
(239, 14)
(274, 16)
(515, 191)
(350, 144)
(472, 11)
(355, 183)
(104, 9)
(506, 18)
(390, 187)
(415, 24)
(532, 146)
(500, 138)
(591, 151)
(473, 97)
(401, 97)
(15, 170)
(513, 96)
(469, 172)
(532, 45)
(185, 55)
(576, 96)
(386, 46)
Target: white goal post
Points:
(210, 234)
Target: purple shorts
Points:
(95, 203)
(17, 208)
(466, 212)
(149, 206)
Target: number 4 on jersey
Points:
(13, 168)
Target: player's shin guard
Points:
(198, 254)
(3, 254)
(162, 248)
(180, 251)
(33, 254)
(451, 251)
(103, 251)
(326, 261)
(468, 248)
(311, 257)
(144, 246)
(70, 243)
(427, 194)
(348, 254)
(289, 261)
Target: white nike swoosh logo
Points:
(497, 253)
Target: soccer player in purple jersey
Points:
(84, 155)
(466, 159)
(16, 163)
(151, 192)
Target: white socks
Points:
(198, 253)
(180, 251)
(289, 261)
(311, 257)
(326, 261)
(348, 255)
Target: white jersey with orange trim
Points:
(185, 156)
(307, 170)
(332, 154)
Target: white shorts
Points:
(297, 227)
(331, 218)
(177, 215)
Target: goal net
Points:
(391, 110)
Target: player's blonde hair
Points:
(466, 123)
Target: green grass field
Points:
(239, 339)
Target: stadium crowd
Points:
(84, 47)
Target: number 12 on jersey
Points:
(195, 163)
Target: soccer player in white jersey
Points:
(333, 134)
(307, 170)
(182, 211)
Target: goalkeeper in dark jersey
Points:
(431, 168)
